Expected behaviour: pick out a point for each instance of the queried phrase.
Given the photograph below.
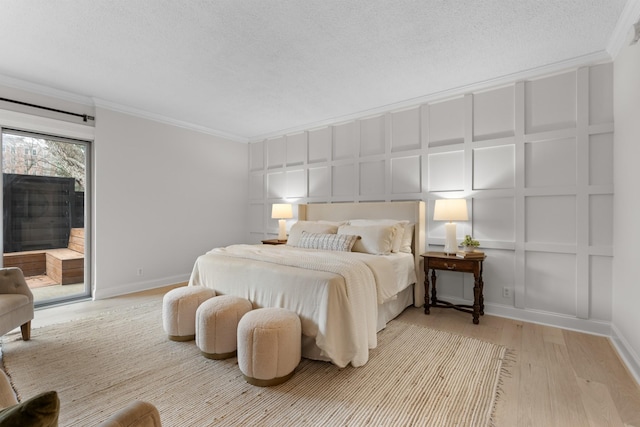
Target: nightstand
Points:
(274, 242)
(439, 261)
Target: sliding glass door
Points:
(45, 200)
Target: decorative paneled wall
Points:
(534, 158)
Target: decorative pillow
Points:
(327, 242)
(39, 411)
(375, 239)
(398, 224)
(310, 227)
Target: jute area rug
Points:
(416, 376)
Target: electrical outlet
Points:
(140, 272)
(506, 292)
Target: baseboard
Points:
(595, 327)
(626, 352)
(589, 326)
(129, 288)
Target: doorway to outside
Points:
(45, 199)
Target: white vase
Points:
(468, 248)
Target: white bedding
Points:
(404, 274)
(337, 301)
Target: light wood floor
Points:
(558, 377)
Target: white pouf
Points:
(269, 345)
(217, 325)
(179, 307)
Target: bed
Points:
(343, 297)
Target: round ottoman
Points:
(269, 345)
(217, 325)
(179, 307)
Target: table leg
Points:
(434, 297)
(426, 292)
(481, 296)
(476, 299)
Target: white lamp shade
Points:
(450, 210)
(281, 211)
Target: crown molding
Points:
(629, 16)
(96, 102)
(532, 73)
(573, 63)
(45, 90)
(167, 120)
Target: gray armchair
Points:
(16, 302)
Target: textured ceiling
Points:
(252, 68)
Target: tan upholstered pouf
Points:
(179, 307)
(217, 325)
(269, 345)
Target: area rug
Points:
(416, 376)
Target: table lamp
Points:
(450, 210)
(282, 212)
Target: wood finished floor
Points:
(559, 377)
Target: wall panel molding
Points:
(533, 157)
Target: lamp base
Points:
(282, 229)
(450, 243)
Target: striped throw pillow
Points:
(327, 242)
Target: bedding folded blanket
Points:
(340, 312)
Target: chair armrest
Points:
(12, 282)
(135, 414)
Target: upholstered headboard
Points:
(414, 212)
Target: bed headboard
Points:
(410, 211)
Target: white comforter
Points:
(335, 293)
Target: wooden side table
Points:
(274, 242)
(440, 261)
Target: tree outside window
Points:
(44, 157)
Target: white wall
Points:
(626, 267)
(163, 195)
(534, 157)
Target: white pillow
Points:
(407, 238)
(398, 224)
(327, 242)
(336, 223)
(310, 227)
(375, 239)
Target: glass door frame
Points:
(88, 197)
